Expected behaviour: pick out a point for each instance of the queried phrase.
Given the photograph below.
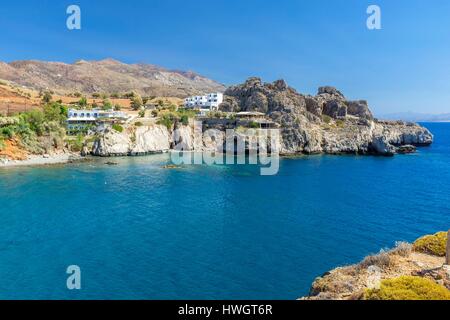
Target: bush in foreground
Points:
(432, 244)
(408, 288)
(381, 260)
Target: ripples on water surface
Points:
(223, 232)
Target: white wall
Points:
(209, 101)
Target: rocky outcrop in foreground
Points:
(409, 271)
(325, 123)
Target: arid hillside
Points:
(15, 98)
(106, 76)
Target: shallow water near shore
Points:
(139, 231)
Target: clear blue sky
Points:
(403, 67)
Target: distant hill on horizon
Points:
(416, 117)
(106, 76)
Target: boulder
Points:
(313, 106)
(330, 91)
(359, 109)
(406, 149)
(112, 143)
(335, 109)
(381, 146)
(229, 104)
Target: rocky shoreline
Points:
(326, 123)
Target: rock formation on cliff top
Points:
(327, 122)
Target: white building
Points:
(94, 115)
(82, 120)
(210, 101)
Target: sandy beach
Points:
(39, 160)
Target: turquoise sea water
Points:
(138, 231)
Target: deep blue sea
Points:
(138, 231)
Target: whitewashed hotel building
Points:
(82, 120)
(210, 101)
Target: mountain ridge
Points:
(107, 76)
(416, 117)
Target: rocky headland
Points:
(325, 123)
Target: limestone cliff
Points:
(133, 141)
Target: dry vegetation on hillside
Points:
(406, 272)
(108, 76)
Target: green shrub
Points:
(326, 119)
(76, 145)
(136, 102)
(117, 127)
(138, 124)
(35, 118)
(107, 105)
(253, 125)
(55, 112)
(47, 97)
(340, 123)
(82, 102)
(408, 288)
(167, 120)
(7, 132)
(432, 244)
(141, 113)
(129, 95)
(184, 119)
